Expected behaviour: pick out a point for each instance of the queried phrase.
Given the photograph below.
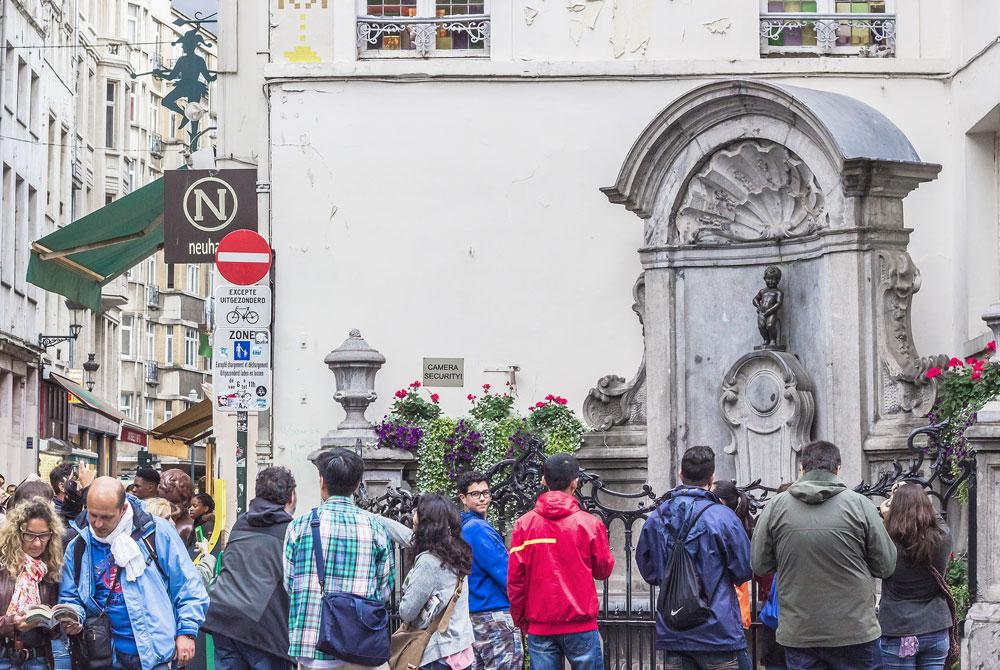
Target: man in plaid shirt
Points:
(357, 551)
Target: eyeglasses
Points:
(478, 495)
(29, 538)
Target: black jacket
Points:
(249, 603)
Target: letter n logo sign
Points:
(210, 204)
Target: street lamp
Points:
(192, 397)
(90, 367)
(46, 341)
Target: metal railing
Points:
(627, 603)
(409, 36)
(848, 34)
(153, 296)
(152, 372)
(156, 145)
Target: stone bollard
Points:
(981, 644)
(354, 365)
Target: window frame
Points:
(125, 404)
(772, 24)
(110, 113)
(168, 346)
(190, 347)
(192, 276)
(368, 32)
(127, 335)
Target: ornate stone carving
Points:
(904, 386)
(615, 402)
(754, 190)
(768, 405)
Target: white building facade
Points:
(434, 170)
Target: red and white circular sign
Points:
(243, 257)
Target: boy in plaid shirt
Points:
(357, 551)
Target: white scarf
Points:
(124, 549)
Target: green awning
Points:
(76, 261)
(81, 396)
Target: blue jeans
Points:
(60, 653)
(233, 655)
(124, 661)
(932, 651)
(707, 660)
(582, 650)
(865, 656)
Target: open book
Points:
(51, 616)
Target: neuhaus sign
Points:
(200, 207)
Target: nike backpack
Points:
(681, 602)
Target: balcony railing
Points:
(152, 372)
(153, 296)
(846, 34)
(156, 145)
(408, 36)
(155, 60)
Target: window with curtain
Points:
(423, 28)
(828, 26)
(190, 347)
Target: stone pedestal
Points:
(981, 646)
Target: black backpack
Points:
(681, 602)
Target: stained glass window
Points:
(394, 41)
(849, 35)
(794, 37)
(455, 35)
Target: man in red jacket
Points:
(557, 551)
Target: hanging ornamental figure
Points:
(190, 75)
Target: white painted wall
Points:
(450, 207)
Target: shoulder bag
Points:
(351, 628)
(954, 638)
(409, 643)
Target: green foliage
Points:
(431, 472)
(496, 437)
(957, 577)
(411, 406)
(557, 424)
(491, 406)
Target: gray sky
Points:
(206, 7)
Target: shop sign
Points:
(200, 207)
(133, 436)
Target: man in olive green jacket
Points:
(827, 544)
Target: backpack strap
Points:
(318, 549)
(79, 547)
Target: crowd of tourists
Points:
(97, 576)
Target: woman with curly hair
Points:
(440, 571)
(31, 558)
(914, 612)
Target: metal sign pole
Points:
(242, 419)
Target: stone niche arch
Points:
(728, 179)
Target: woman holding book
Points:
(31, 557)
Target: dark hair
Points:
(698, 466)
(560, 471)
(205, 500)
(439, 531)
(35, 488)
(275, 484)
(342, 471)
(467, 479)
(738, 501)
(148, 474)
(59, 474)
(913, 525)
(820, 455)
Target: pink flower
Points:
(978, 366)
(550, 397)
(470, 397)
(971, 360)
(955, 362)
(414, 385)
(932, 373)
(507, 383)
(486, 387)
(539, 404)
(435, 397)
(531, 409)
(991, 346)
(561, 401)
(401, 393)
(976, 374)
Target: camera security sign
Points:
(200, 207)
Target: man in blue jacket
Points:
(498, 643)
(721, 551)
(134, 565)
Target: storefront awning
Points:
(173, 437)
(82, 396)
(76, 261)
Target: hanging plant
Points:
(557, 424)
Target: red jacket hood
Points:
(556, 505)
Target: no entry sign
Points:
(243, 257)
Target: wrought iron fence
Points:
(627, 614)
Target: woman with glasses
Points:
(31, 557)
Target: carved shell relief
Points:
(754, 190)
